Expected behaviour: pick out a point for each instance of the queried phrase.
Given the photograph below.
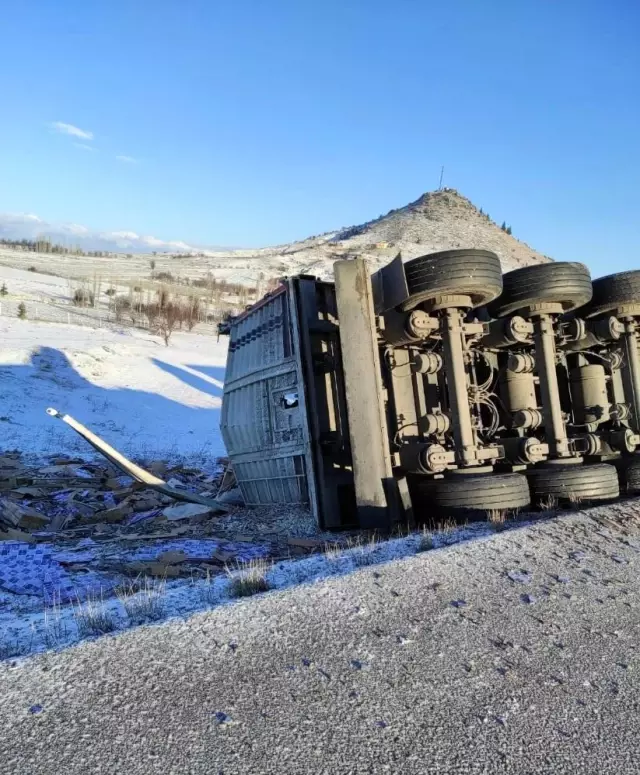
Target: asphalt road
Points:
(516, 654)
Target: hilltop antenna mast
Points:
(441, 176)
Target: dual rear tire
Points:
(476, 274)
(563, 283)
(473, 496)
(573, 484)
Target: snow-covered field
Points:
(146, 399)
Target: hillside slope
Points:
(438, 220)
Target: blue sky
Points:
(252, 123)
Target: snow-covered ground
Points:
(146, 399)
(23, 284)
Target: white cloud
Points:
(127, 159)
(19, 219)
(121, 235)
(154, 242)
(70, 129)
(28, 225)
(73, 228)
(84, 146)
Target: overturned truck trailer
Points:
(430, 387)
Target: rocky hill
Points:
(438, 220)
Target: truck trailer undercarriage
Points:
(435, 387)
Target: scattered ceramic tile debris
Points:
(71, 529)
(619, 559)
(142, 516)
(519, 575)
(197, 549)
(33, 570)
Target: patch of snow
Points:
(145, 399)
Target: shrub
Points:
(83, 297)
(22, 311)
(3, 290)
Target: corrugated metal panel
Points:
(264, 423)
(260, 339)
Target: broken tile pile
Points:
(75, 494)
(72, 528)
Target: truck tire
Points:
(573, 483)
(468, 272)
(473, 495)
(567, 283)
(421, 489)
(629, 475)
(612, 292)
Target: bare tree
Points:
(151, 311)
(169, 318)
(192, 312)
(95, 291)
(121, 304)
(163, 296)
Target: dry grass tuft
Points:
(426, 542)
(550, 503)
(54, 628)
(575, 501)
(249, 579)
(208, 592)
(93, 617)
(363, 551)
(333, 551)
(143, 600)
(14, 647)
(498, 519)
(447, 525)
